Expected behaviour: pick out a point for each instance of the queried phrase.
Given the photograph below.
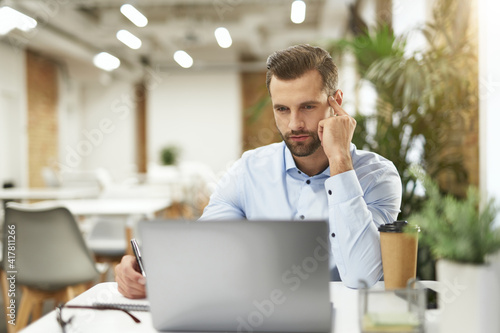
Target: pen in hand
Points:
(138, 257)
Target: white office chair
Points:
(52, 260)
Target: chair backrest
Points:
(107, 237)
(46, 248)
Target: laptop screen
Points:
(241, 276)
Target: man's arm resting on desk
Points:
(130, 281)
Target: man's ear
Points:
(338, 96)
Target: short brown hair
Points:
(293, 62)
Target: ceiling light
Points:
(106, 61)
(129, 39)
(183, 59)
(11, 19)
(223, 37)
(298, 14)
(134, 15)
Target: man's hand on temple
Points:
(336, 135)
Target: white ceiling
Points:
(75, 30)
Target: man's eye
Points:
(309, 107)
(281, 109)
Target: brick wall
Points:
(259, 127)
(42, 100)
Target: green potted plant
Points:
(427, 105)
(165, 171)
(462, 238)
(169, 155)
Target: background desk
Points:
(48, 193)
(123, 207)
(130, 209)
(345, 304)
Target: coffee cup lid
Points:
(396, 226)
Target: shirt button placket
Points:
(308, 182)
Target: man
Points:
(315, 173)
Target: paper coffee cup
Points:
(399, 254)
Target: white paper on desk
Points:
(110, 295)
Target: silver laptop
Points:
(237, 276)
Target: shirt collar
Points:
(290, 163)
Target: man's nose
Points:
(296, 121)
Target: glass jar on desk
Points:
(399, 310)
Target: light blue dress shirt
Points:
(266, 184)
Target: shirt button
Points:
(302, 217)
(330, 192)
(308, 181)
(333, 234)
(300, 173)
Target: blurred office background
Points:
(59, 112)
(65, 122)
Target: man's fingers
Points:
(131, 270)
(337, 109)
(131, 292)
(131, 283)
(129, 289)
(321, 125)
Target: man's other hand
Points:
(130, 281)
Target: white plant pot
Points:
(469, 297)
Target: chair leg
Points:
(60, 297)
(25, 308)
(6, 301)
(37, 310)
(32, 303)
(73, 291)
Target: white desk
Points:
(345, 304)
(131, 210)
(48, 193)
(123, 207)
